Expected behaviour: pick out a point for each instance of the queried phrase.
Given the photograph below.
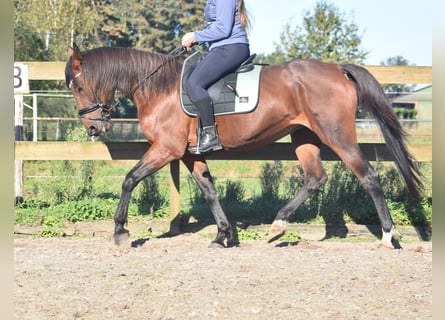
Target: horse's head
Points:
(94, 110)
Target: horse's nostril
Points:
(92, 131)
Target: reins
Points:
(106, 109)
(174, 54)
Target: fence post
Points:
(35, 124)
(18, 136)
(175, 220)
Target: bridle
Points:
(105, 114)
(105, 108)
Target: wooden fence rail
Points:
(25, 150)
(134, 150)
(384, 74)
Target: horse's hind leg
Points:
(308, 153)
(369, 178)
(200, 172)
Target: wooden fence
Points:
(384, 74)
(134, 150)
(25, 150)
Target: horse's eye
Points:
(79, 89)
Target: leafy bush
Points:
(270, 179)
(150, 200)
(404, 113)
(75, 193)
(235, 192)
(88, 209)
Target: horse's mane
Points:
(128, 69)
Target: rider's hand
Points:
(188, 40)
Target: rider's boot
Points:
(207, 140)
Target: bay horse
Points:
(312, 101)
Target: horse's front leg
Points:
(149, 164)
(200, 171)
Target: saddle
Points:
(235, 93)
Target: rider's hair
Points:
(243, 15)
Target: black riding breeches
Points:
(219, 62)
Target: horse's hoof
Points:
(121, 237)
(216, 245)
(384, 245)
(277, 230)
(390, 240)
(392, 245)
(275, 236)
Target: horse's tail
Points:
(372, 97)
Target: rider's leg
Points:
(207, 139)
(219, 62)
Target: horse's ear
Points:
(76, 57)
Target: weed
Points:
(290, 236)
(244, 234)
(49, 232)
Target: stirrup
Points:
(195, 149)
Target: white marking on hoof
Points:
(277, 229)
(282, 224)
(388, 236)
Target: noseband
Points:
(105, 111)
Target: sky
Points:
(388, 28)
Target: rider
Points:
(226, 31)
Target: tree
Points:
(164, 22)
(393, 90)
(46, 28)
(153, 25)
(325, 35)
(43, 30)
(163, 25)
(274, 57)
(115, 27)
